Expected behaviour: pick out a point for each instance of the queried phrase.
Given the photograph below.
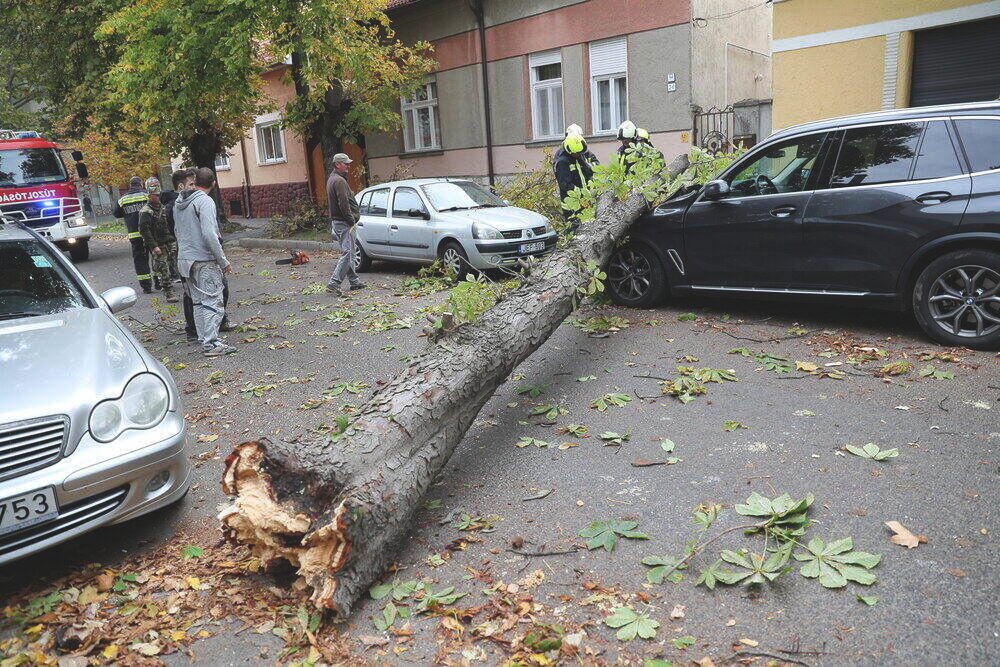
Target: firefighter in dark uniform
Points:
(128, 207)
(573, 165)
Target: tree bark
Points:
(203, 146)
(337, 510)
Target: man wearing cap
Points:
(344, 216)
(157, 237)
(128, 208)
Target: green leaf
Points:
(872, 451)
(610, 400)
(683, 642)
(731, 425)
(870, 600)
(604, 534)
(631, 625)
(835, 564)
(192, 551)
(659, 566)
(667, 446)
(686, 317)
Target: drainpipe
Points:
(246, 175)
(477, 9)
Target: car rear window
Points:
(937, 158)
(33, 282)
(876, 154)
(981, 138)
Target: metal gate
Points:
(721, 130)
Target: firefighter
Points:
(157, 237)
(628, 135)
(576, 129)
(128, 208)
(574, 166)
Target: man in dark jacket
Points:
(168, 198)
(158, 238)
(574, 167)
(344, 216)
(128, 208)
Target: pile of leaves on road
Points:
(158, 604)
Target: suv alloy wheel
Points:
(956, 299)
(635, 276)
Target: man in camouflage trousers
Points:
(157, 237)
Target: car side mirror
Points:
(716, 190)
(419, 213)
(77, 156)
(119, 298)
(81, 170)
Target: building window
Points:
(222, 162)
(546, 95)
(421, 130)
(270, 143)
(609, 84)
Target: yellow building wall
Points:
(826, 81)
(805, 17)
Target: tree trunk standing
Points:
(338, 510)
(203, 147)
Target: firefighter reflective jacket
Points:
(128, 208)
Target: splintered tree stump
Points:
(337, 511)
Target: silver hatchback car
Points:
(456, 221)
(91, 426)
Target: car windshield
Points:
(29, 166)
(458, 195)
(33, 283)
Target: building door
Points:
(956, 63)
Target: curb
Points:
(284, 244)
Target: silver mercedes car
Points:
(91, 427)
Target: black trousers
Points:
(189, 307)
(140, 256)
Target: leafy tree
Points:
(193, 70)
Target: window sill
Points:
(272, 163)
(553, 141)
(405, 155)
(223, 169)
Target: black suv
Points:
(898, 208)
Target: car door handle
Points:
(934, 197)
(395, 228)
(782, 211)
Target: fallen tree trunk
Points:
(337, 510)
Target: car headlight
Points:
(78, 221)
(142, 405)
(480, 230)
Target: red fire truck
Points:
(38, 190)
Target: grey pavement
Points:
(937, 603)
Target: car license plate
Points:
(19, 512)
(532, 247)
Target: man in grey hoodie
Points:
(201, 260)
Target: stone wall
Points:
(267, 200)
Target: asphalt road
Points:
(937, 603)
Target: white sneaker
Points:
(219, 350)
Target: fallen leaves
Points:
(631, 624)
(604, 534)
(903, 537)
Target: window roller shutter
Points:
(545, 58)
(608, 56)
